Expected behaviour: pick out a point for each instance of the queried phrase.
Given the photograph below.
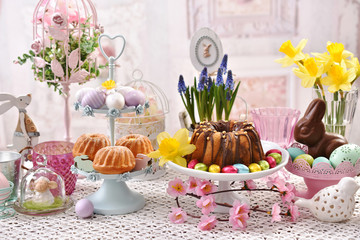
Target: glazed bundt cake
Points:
(114, 160)
(89, 144)
(226, 143)
(136, 143)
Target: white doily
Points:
(152, 221)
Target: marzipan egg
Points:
(347, 152)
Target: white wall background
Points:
(157, 33)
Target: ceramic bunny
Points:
(26, 133)
(310, 130)
(334, 203)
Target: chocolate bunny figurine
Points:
(310, 130)
(26, 133)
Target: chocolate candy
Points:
(192, 163)
(241, 168)
(254, 167)
(201, 167)
(271, 161)
(229, 169)
(214, 168)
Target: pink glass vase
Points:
(59, 157)
(276, 124)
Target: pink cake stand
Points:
(226, 178)
(322, 175)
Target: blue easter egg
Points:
(241, 168)
(319, 160)
(294, 152)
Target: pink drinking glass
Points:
(276, 124)
(59, 157)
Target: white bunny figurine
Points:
(26, 134)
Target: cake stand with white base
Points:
(114, 197)
(226, 178)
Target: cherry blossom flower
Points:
(176, 188)
(238, 221)
(275, 213)
(288, 195)
(250, 184)
(207, 204)
(177, 215)
(192, 184)
(205, 187)
(207, 223)
(293, 212)
(239, 208)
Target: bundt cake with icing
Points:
(226, 143)
(137, 143)
(114, 160)
(89, 144)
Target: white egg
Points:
(115, 100)
(124, 89)
(81, 93)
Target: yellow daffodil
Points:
(338, 78)
(354, 63)
(337, 53)
(308, 72)
(292, 54)
(173, 148)
(109, 84)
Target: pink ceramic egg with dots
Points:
(134, 98)
(94, 98)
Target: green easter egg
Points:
(201, 167)
(306, 157)
(276, 156)
(264, 165)
(347, 152)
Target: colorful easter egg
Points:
(271, 161)
(254, 167)
(264, 165)
(241, 168)
(201, 167)
(134, 98)
(306, 157)
(273, 151)
(229, 169)
(115, 100)
(192, 163)
(214, 168)
(294, 152)
(276, 156)
(347, 152)
(84, 208)
(319, 160)
(81, 93)
(94, 98)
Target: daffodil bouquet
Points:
(208, 94)
(331, 72)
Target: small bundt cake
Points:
(136, 143)
(89, 144)
(226, 143)
(114, 160)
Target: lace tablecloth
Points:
(152, 221)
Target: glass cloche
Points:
(152, 121)
(42, 191)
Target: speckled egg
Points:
(134, 98)
(294, 152)
(81, 93)
(115, 100)
(319, 160)
(241, 168)
(347, 152)
(84, 208)
(94, 98)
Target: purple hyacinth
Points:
(201, 84)
(209, 83)
(219, 78)
(204, 73)
(229, 81)
(181, 85)
(223, 65)
(228, 96)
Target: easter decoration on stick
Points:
(26, 134)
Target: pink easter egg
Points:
(95, 99)
(192, 163)
(271, 161)
(273, 151)
(81, 93)
(4, 183)
(84, 208)
(134, 98)
(229, 169)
